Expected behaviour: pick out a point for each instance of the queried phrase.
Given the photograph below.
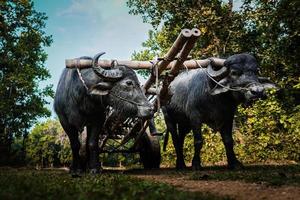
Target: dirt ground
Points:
(236, 189)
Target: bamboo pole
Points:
(181, 40)
(182, 56)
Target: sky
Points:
(86, 27)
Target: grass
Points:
(58, 184)
(273, 175)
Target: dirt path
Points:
(234, 189)
(255, 182)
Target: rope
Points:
(155, 67)
(82, 80)
(228, 88)
(186, 68)
(157, 89)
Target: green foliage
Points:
(48, 145)
(22, 58)
(31, 184)
(269, 131)
(266, 29)
(140, 56)
(149, 53)
(213, 18)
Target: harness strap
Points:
(127, 100)
(81, 79)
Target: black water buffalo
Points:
(211, 96)
(82, 98)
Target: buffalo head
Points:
(122, 90)
(239, 74)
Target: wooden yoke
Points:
(134, 64)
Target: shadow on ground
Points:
(273, 175)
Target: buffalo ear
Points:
(101, 88)
(221, 87)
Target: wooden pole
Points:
(190, 64)
(184, 35)
(182, 56)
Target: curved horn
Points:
(217, 74)
(108, 74)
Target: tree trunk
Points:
(25, 136)
(4, 146)
(230, 5)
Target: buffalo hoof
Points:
(236, 166)
(180, 166)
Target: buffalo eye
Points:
(129, 83)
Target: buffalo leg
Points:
(93, 148)
(226, 133)
(180, 158)
(198, 143)
(72, 133)
(183, 130)
(178, 145)
(152, 127)
(177, 142)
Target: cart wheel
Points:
(150, 151)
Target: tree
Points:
(22, 59)
(48, 145)
(213, 18)
(268, 29)
(273, 27)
